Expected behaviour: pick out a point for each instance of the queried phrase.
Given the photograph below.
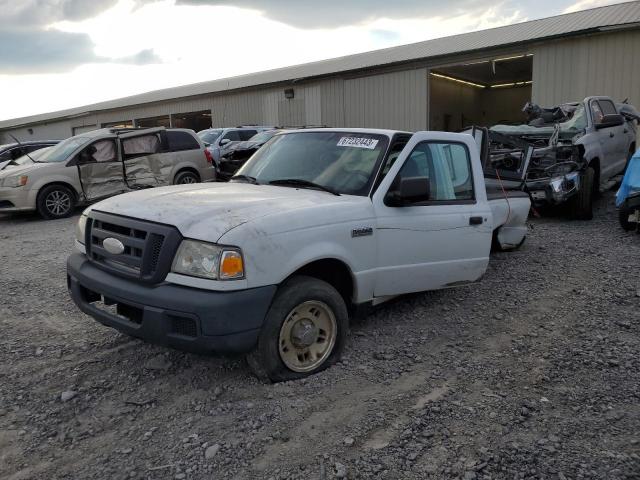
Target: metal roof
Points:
(623, 15)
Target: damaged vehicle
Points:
(628, 196)
(99, 164)
(273, 262)
(238, 153)
(565, 154)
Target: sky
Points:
(57, 54)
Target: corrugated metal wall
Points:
(395, 100)
(572, 69)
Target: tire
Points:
(308, 318)
(581, 205)
(186, 177)
(623, 217)
(55, 201)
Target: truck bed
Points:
(509, 216)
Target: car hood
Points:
(208, 211)
(11, 170)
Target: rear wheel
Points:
(581, 205)
(304, 331)
(55, 201)
(623, 217)
(186, 177)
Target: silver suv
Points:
(100, 164)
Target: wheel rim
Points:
(307, 336)
(188, 179)
(58, 202)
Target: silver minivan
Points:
(100, 164)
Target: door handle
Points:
(625, 131)
(475, 220)
(611, 134)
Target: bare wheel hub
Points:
(307, 336)
(304, 333)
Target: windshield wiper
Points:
(246, 178)
(297, 182)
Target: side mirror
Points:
(410, 190)
(611, 120)
(224, 141)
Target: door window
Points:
(105, 151)
(247, 134)
(140, 146)
(446, 167)
(607, 107)
(179, 141)
(596, 113)
(233, 135)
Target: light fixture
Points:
(514, 84)
(458, 80)
(514, 57)
(289, 93)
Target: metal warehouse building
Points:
(478, 78)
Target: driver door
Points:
(440, 241)
(100, 170)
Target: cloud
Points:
(53, 51)
(337, 13)
(32, 51)
(29, 13)
(585, 4)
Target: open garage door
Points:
(194, 120)
(481, 93)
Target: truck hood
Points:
(207, 211)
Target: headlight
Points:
(80, 228)
(206, 260)
(17, 181)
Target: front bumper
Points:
(184, 318)
(15, 200)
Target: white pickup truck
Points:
(271, 264)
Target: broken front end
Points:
(539, 161)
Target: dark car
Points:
(240, 152)
(13, 151)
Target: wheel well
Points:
(73, 190)
(335, 272)
(186, 169)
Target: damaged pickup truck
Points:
(272, 263)
(565, 154)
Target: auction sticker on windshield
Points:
(369, 143)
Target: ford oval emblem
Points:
(113, 246)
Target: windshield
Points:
(35, 156)
(577, 122)
(209, 136)
(61, 151)
(344, 162)
(262, 137)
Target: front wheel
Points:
(581, 204)
(304, 331)
(55, 201)
(623, 217)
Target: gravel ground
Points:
(532, 374)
